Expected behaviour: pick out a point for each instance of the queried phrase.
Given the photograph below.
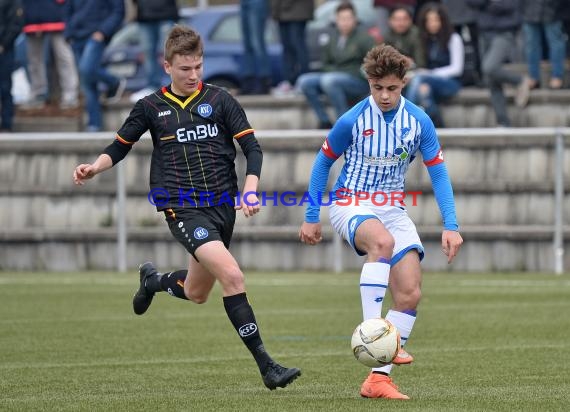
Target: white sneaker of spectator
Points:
(136, 96)
(284, 89)
(114, 96)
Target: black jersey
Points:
(194, 151)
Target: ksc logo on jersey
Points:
(205, 110)
(164, 113)
(200, 233)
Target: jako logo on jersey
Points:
(248, 329)
(164, 113)
(200, 233)
(368, 132)
(201, 131)
(205, 110)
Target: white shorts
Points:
(345, 219)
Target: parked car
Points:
(219, 27)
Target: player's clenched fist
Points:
(82, 173)
(310, 233)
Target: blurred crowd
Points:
(451, 44)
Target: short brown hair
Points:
(345, 5)
(384, 60)
(184, 41)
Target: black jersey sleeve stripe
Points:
(123, 141)
(243, 133)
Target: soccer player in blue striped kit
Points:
(379, 137)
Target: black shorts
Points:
(193, 227)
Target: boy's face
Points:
(386, 91)
(185, 72)
(346, 22)
(400, 21)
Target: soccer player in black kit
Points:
(193, 126)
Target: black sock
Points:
(173, 283)
(381, 373)
(241, 315)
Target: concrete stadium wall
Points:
(470, 108)
(503, 184)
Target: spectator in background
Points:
(44, 25)
(341, 77)
(383, 8)
(256, 76)
(11, 22)
(464, 20)
(292, 17)
(444, 62)
(405, 36)
(498, 22)
(565, 16)
(544, 16)
(89, 26)
(154, 17)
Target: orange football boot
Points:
(380, 386)
(402, 358)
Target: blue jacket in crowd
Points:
(43, 15)
(85, 17)
(11, 20)
(156, 10)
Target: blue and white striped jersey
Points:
(379, 147)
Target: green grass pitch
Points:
(484, 342)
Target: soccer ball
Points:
(375, 342)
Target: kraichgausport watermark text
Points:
(160, 197)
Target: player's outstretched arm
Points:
(86, 171)
(451, 241)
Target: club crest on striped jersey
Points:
(401, 152)
(404, 132)
(205, 110)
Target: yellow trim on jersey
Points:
(120, 139)
(241, 134)
(180, 103)
(168, 137)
